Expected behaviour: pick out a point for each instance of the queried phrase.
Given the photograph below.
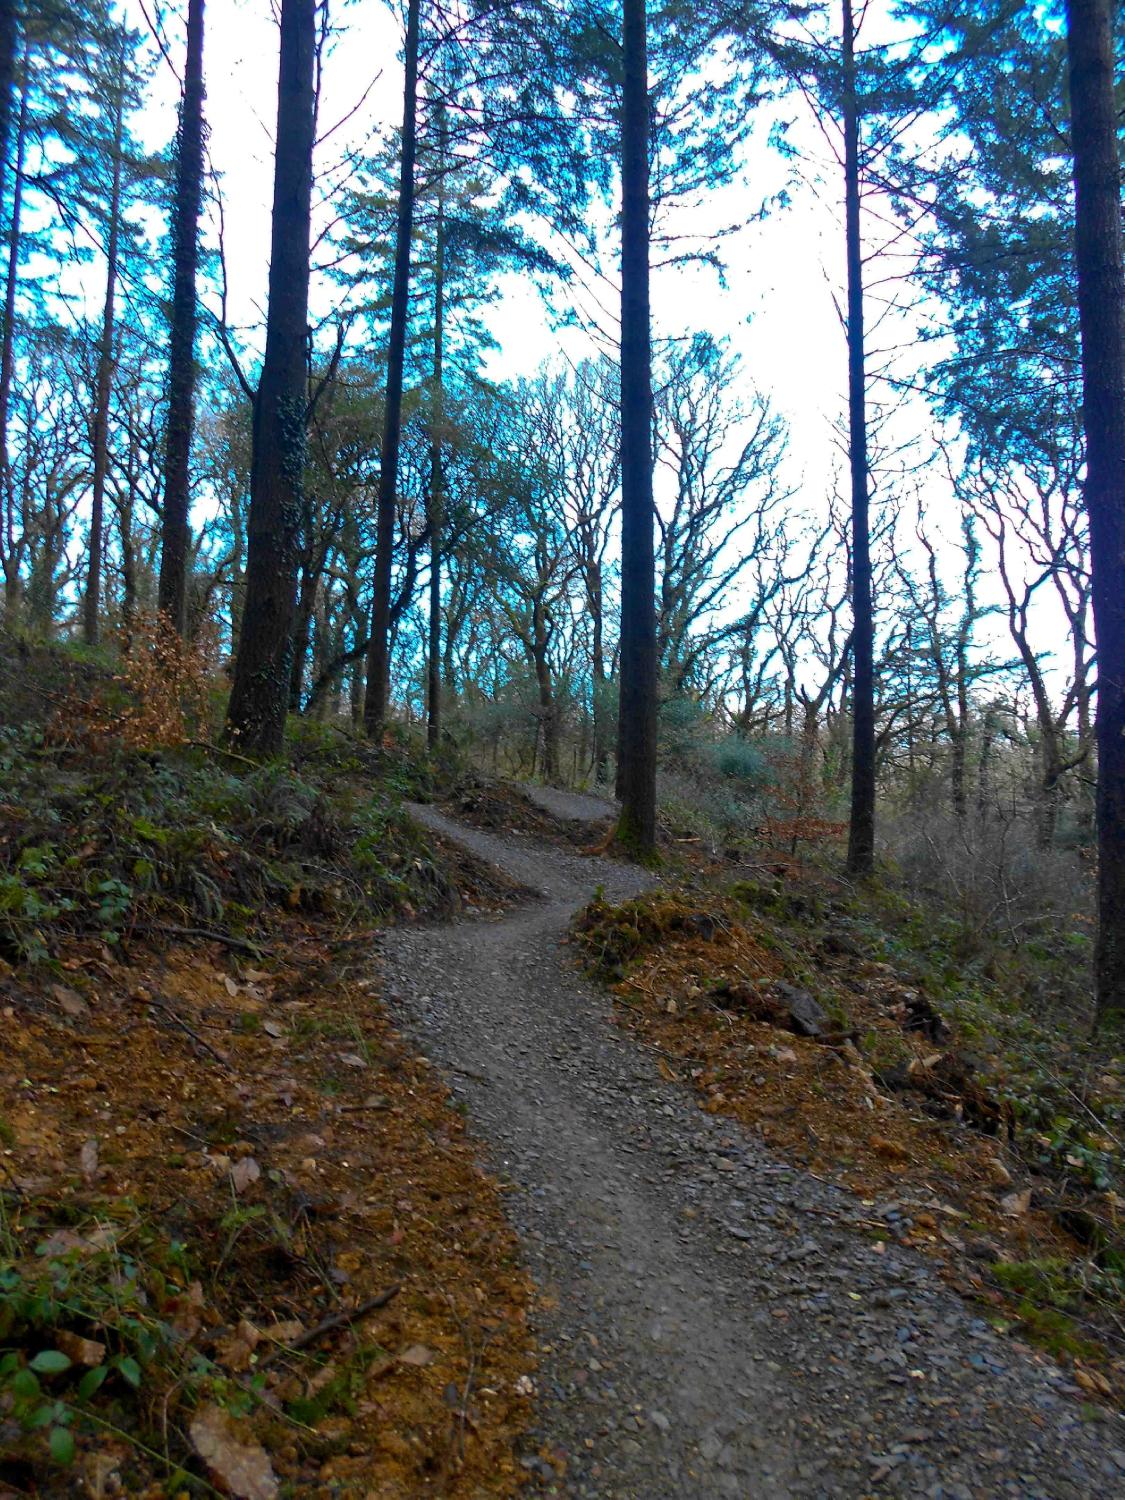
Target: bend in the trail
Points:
(714, 1321)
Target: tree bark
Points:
(91, 603)
(548, 724)
(256, 716)
(599, 684)
(437, 466)
(1101, 311)
(8, 34)
(7, 364)
(175, 537)
(379, 651)
(637, 730)
(861, 826)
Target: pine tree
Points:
(187, 201)
(1101, 309)
(637, 737)
(260, 693)
(379, 650)
(861, 824)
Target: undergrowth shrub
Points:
(97, 844)
(157, 696)
(1003, 900)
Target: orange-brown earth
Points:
(212, 1163)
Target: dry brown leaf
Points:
(69, 1000)
(238, 1466)
(417, 1354)
(82, 1351)
(236, 1349)
(88, 1159)
(231, 987)
(244, 1172)
(187, 1311)
(284, 1333)
(1014, 1205)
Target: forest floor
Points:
(715, 1316)
(245, 1246)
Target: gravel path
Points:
(714, 1322)
(575, 807)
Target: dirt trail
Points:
(575, 807)
(715, 1322)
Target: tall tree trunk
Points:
(437, 465)
(1101, 311)
(861, 827)
(599, 685)
(256, 716)
(7, 364)
(91, 603)
(8, 33)
(175, 537)
(637, 732)
(548, 716)
(302, 631)
(379, 651)
(129, 589)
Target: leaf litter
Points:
(205, 1195)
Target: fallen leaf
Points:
(79, 1350)
(1016, 1204)
(244, 1172)
(231, 987)
(272, 1028)
(88, 1159)
(353, 1060)
(186, 1311)
(417, 1354)
(284, 1333)
(236, 1349)
(69, 1000)
(1094, 1381)
(237, 1466)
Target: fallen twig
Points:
(240, 945)
(243, 760)
(179, 1021)
(329, 1324)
